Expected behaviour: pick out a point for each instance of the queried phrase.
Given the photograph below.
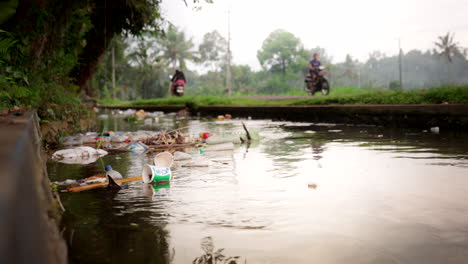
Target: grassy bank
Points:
(345, 95)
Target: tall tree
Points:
(212, 50)
(176, 48)
(447, 47)
(280, 50)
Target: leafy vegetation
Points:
(440, 95)
(70, 50)
(49, 50)
(284, 60)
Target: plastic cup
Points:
(152, 173)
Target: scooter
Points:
(320, 85)
(178, 87)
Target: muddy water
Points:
(305, 193)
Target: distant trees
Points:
(151, 58)
(447, 47)
(176, 48)
(212, 51)
(148, 61)
(63, 43)
(280, 50)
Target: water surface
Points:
(381, 196)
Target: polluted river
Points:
(298, 193)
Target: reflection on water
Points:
(213, 256)
(380, 196)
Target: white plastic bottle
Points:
(112, 173)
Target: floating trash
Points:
(178, 155)
(113, 173)
(160, 171)
(137, 147)
(78, 155)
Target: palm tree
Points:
(176, 48)
(447, 47)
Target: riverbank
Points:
(444, 116)
(341, 96)
(445, 107)
(30, 213)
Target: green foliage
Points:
(176, 48)
(394, 86)
(7, 41)
(44, 47)
(447, 47)
(280, 50)
(8, 9)
(212, 50)
(452, 95)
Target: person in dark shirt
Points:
(178, 75)
(177, 79)
(314, 67)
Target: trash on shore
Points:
(78, 155)
(140, 114)
(224, 117)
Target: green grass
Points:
(340, 95)
(452, 95)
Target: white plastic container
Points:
(160, 171)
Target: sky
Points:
(342, 27)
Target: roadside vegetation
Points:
(69, 52)
(343, 95)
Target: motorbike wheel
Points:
(325, 87)
(309, 88)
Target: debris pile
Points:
(168, 138)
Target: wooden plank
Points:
(100, 185)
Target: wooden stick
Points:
(171, 146)
(100, 185)
(194, 166)
(249, 138)
(178, 129)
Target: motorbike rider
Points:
(177, 79)
(314, 67)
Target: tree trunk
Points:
(113, 73)
(97, 41)
(283, 67)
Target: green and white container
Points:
(160, 171)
